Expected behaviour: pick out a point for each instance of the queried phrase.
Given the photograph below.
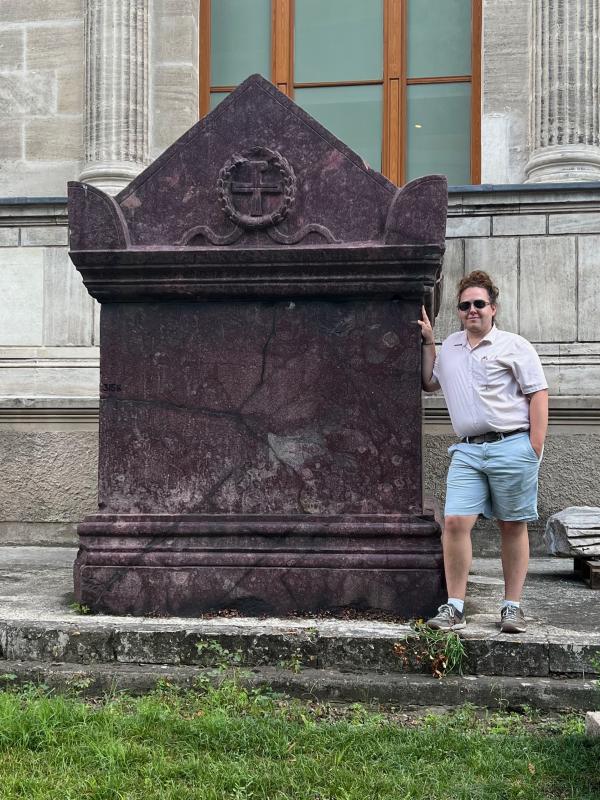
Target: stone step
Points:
(405, 691)
(42, 637)
(293, 644)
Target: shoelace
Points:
(447, 610)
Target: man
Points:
(497, 396)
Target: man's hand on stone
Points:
(426, 329)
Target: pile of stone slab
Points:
(575, 533)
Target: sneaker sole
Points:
(510, 628)
(459, 626)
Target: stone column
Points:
(565, 130)
(116, 102)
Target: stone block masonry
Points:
(22, 290)
(44, 91)
(174, 71)
(41, 96)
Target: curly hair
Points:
(481, 280)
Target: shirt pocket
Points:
(479, 373)
(496, 372)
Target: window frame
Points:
(394, 81)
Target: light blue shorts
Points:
(496, 479)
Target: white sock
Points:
(512, 603)
(457, 603)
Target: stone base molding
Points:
(564, 163)
(110, 177)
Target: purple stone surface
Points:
(260, 401)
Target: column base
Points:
(568, 163)
(111, 177)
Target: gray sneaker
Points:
(512, 620)
(448, 618)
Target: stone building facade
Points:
(96, 90)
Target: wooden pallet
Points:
(588, 570)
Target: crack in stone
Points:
(236, 416)
(263, 369)
(266, 348)
(210, 493)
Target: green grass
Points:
(234, 743)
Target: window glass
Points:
(352, 113)
(216, 97)
(240, 40)
(338, 40)
(439, 131)
(439, 38)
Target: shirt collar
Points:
(490, 337)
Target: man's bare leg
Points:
(515, 558)
(458, 553)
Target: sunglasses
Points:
(466, 304)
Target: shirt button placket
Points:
(472, 387)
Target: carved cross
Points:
(256, 187)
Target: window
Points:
(397, 80)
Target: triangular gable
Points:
(258, 171)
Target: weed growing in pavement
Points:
(443, 652)
(79, 608)
(293, 662)
(219, 656)
(79, 682)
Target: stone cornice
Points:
(21, 211)
(189, 275)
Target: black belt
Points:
(491, 436)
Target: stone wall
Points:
(48, 379)
(506, 90)
(174, 60)
(41, 95)
(542, 246)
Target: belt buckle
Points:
(478, 438)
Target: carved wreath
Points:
(288, 179)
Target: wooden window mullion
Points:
(282, 45)
(204, 45)
(394, 91)
(476, 91)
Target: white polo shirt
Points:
(485, 386)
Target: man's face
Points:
(477, 320)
